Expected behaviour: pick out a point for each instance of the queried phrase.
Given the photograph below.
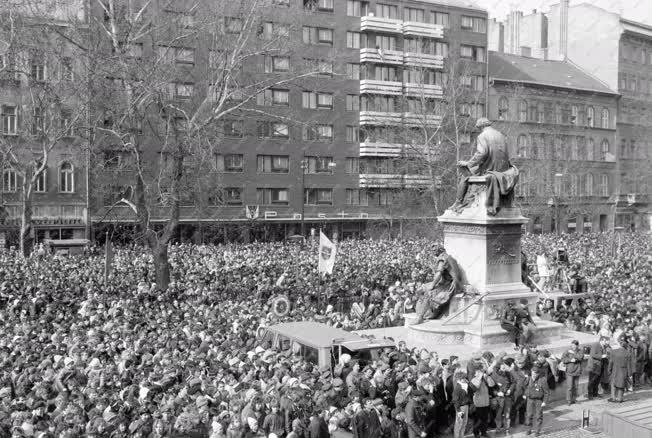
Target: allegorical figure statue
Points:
(435, 295)
(491, 159)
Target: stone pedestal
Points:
(488, 249)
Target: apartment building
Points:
(330, 151)
(561, 125)
(616, 51)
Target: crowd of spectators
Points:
(85, 358)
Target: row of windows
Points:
(10, 180)
(37, 66)
(561, 147)
(534, 183)
(639, 55)
(631, 149)
(634, 84)
(9, 119)
(234, 196)
(235, 163)
(548, 112)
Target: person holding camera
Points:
(480, 385)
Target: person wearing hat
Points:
(572, 360)
(536, 395)
(492, 160)
(414, 417)
(598, 365)
(520, 374)
(620, 370)
(462, 401)
(509, 322)
(504, 395)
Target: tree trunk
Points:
(161, 265)
(26, 240)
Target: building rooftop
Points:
(561, 74)
(466, 4)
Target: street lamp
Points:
(558, 189)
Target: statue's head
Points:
(482, 122)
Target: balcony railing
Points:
(379, 180)
(371, 149)
(423, 90)
(381, 56)
(414, 119)
(423, 29)
(380, 24)
(380, 118)
(424, 60)
(381, 87)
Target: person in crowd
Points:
(504, 388)
(620, 370)
(462, 401)
(598, 366)
(572, 359)
(536, 396)
(480, 385)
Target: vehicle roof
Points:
(320, 335)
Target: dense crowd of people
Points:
(81, 357)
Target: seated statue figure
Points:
(491, 160)
(434, 296)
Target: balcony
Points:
(414, 119)
(424, 60)
(380, 118)
(381, 87)
(413, 28)
(371, 149)
(378, 180)
(423, 90)
(380, 24)
(376, 56)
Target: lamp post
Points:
(556, 199)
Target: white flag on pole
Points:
(327, 251)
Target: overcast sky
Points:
(637, 10)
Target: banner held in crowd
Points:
(327, 251)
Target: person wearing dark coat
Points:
(536, 394)
(597, 365)
(572, 358)
(462, 401)
(373, 427)
(414, 417)
(318, 427)
(620, 371)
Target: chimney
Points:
(514, 31)
(563, 29)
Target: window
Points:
(353, 40)
(41, 181)
(317, 35)
(385, 42)
(184, 56)
(503, 108)
(232, 25)
(270, 30)
(353, 71)
(318, 133)
(313, 100)
(273, 130)
(281, 2)
(352, 134)
(318, 197)
(541, 113)
(233, 128)
(522, 111)
(352, 197)
(604, 150)
(230, 163)
(590, 117)
(574, 185)
(605, 118)
(323, 165)
(66, 73)
(588, 185)
(352, 102)
(227, 196)
(574, 148)
(474, 24)
(383, 73)
(37, 121)
(590, 150)
(532, 111)
(386, 11)
(273, 164)
(604, 185)
(522, 146)
(9, 180)
(574, 118)
(413, 14)
(357, 8)
(441, 18)
(275, 64)
(65, 123)
(441, 49)
(473, 52)
(352, 165)
(184, 91)
(559, 115)
(273, 96)
(38, 69)
(272, 196)
(319, 5)
(66, 178)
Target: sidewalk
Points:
(563, 421)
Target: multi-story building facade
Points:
(561, 126)
(41, 87)
(618, 52)
(338, 159)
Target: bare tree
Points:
(171, 86)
